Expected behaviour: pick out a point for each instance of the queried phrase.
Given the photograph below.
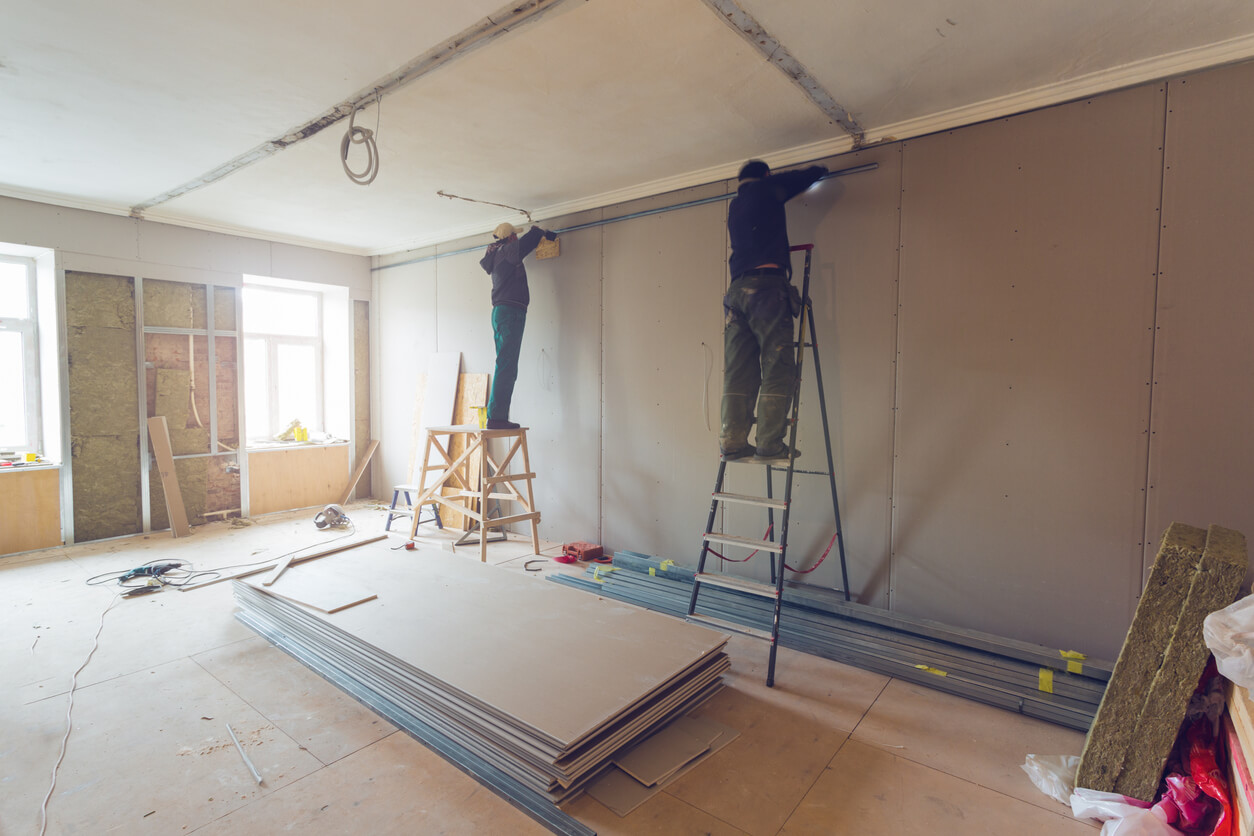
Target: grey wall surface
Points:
(1021, 398)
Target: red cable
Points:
(821, 559)
(742, 560)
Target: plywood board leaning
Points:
(159, 431)
(472, 394)
(1239, 781)
(1148, 638)
(361, 468)
(439, 396)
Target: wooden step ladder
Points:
(775, 589)
(494, 481)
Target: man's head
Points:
(504, 230)
(754, 170)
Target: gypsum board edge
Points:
(557, 790)
(714, 665)
(328, 637)
(539, 808)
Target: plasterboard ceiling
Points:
(110, 106)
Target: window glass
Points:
(297, 379)
(14, 291)
(13, 383)
(256, 385)
(280, 312)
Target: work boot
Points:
(778, 454)
(746, 452)
(501, 424)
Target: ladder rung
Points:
(764, 501)
(746, 542)
(732, 626)
(765, 590)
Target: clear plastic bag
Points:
(1229, 633)
(1053, 775)
(1123, 816)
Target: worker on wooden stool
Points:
(758, 361)
(510, 297)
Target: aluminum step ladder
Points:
(775, 548)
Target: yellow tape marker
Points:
(1074, 659)
(1045, 682)
(666, 564)
(652, 572)
(931, 670)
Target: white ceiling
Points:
(110, 105)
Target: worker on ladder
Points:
(510, 296)
(759, 308)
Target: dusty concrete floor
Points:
(830, 750)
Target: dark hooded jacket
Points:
(503, 262)
(756, 222)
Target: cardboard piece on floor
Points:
(666, 751)
(159, 432)
(314, 590)
(621, 793)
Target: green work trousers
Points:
(507, 328)
(758, 361)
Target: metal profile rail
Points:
(1014, 676)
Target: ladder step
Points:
(765, 590)
(764, 501)
(745, 542)
(731, 626)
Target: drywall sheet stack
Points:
(479, 654)
(1061, 686)
(1196, 572)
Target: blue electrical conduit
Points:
(839, 173)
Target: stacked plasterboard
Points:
(537, 687)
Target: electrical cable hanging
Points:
(362, 136)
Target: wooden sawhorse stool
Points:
(493, 481)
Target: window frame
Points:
(272, 343)
(28, 327)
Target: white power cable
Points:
(43, 808)
(362, 136)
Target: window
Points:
(282, 360)
(19, 357)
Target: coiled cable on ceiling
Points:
(362, 136)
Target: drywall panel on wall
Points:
(64, 229)
(301, 477)
(558, 393)
(853, 221)
(662, 321)
(1027, 289)
(1201, 447)
(104, 405)
(405, 316)
(288, 261)
(31, 503)
(161, 243)
(463, 301)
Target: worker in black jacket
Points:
(758, 360)
(510, 297)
